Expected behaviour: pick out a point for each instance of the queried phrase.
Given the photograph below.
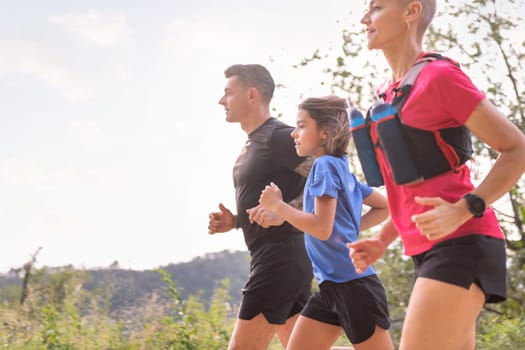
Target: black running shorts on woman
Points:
(465, 260)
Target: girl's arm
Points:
(378, 211)
(319, 224)
(367, 251)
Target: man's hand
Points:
(263, 217)
(222, 221)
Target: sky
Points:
(114, 146)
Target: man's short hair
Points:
(253, 75)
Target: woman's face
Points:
(384, 23)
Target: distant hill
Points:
(199, 277)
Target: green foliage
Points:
(51, 317)
(396, 272)
(10, 293)
(61, 315)
(501, 333)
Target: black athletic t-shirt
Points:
(268, 156)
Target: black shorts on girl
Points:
(465, 260)
(280, 281)
(357, 306)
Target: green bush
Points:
(59, 314)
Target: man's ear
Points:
(253, 94)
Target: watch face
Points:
(475, 204)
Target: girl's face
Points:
(384, 23)
(309, 139)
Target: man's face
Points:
(235, 100)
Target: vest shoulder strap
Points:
(404, 88)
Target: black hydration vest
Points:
(434, 152)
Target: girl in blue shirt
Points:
(331, 218)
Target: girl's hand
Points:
(365, 252)
(270, 197)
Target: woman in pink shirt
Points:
(445, 223)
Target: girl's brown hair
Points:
(330, 113)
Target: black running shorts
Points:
(279, 283)
(465, 260)
(357, 306)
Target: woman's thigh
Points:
(440, 315)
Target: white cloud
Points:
(18, 172)
(105, 31)
(119, 71)
(252, 35)
(89, 134)
(38, 62)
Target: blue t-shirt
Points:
(331, 176)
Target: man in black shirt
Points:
(280, 271)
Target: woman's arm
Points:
(378, 211)
(501, 135)
(504, 137)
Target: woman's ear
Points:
(413, 10)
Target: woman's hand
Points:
(442, 219)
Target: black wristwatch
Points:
(475, 204)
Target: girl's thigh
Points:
(311, 334)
